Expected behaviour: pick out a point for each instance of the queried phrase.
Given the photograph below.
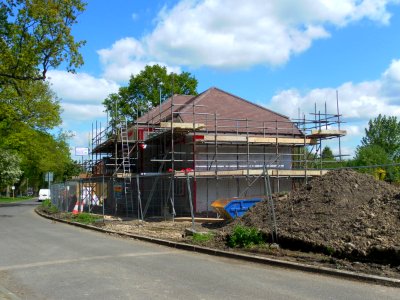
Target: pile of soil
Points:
(343, 213)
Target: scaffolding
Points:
(150, 160)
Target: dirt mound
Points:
(343, 213)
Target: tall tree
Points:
(146, 90)
(384, 131)
(35, 36)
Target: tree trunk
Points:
(8, 191)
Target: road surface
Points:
(40, 259)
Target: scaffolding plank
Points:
(225, 138)
(177, 125)
(324, 133)
(255, 172)
(281, 140)
(258, 140)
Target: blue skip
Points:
(234, 207)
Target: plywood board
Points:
(225, 138)
(327, 133)
(177, 125)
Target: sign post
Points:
(13, 189)
(48, 177)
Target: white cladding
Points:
(239, 157)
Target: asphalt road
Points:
(40, 259)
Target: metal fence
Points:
(146, 196)
(155, 195)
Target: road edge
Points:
(386, 281)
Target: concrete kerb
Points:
(6, 294)
(246, 257)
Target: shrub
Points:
(48, 207)
(243, 236)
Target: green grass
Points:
(85, 218)
(11, 199)
(202, 237)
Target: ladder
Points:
(126, 167)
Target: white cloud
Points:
(73, 112)
(81, 96)
(354, 130)
(80, 87)
(230, 34)
(391, 82)
(359, 102)
(126, 57)
(81, 139)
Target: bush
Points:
(48, 207)
(243, 236)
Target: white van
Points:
(44, 194)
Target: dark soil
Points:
(344, 213)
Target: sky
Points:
(285, 55)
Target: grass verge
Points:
(85, 218)
(15, 199)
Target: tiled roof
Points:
(223, 112)
(154, 116)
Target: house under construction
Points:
(191, 150)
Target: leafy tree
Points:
(384, 131)
(71, 168)
(327, 154)
(370, 155)
(145, 90)
(375, 155)
(35, 106)
(328, 159)
(35, 37)
(10, 170)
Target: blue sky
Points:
(282, 54)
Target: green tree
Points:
(370, 155)
(327, 154)
(384, 131)
(35, 106)
(145, 91)
(35, 37)
(10, 171)
(71, 168)
(375, 155)
(328, 159)
(41, 153)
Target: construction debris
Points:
(343, 213)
